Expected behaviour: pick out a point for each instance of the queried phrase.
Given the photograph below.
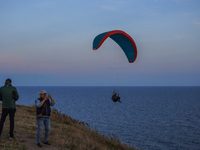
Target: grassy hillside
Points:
(66, 133)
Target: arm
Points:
(42, 102)
(39, 104)
(16, 95)
(52, 101)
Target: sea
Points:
(148, 118)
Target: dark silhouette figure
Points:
(115, 97)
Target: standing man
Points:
(8, 96)
(43, 104)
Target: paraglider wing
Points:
(122, 39)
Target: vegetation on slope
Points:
(65, 133)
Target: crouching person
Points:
(43, 114)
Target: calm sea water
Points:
(150, 118)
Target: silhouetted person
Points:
(8, 96)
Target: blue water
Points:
(150, 118)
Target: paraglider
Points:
(124, 40)
(126, 43)
(115, 97)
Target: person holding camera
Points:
(43, 114)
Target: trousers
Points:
(5, 112)
(45, 120)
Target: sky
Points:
(49, 42)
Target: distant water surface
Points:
(150, 118)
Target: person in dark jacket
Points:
(43, 104)
(8, 96)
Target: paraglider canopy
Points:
(122, 39)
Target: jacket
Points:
(8, 96)
(45, 109)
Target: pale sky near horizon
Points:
(49, 42)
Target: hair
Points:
(8, 81)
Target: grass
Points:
(65, 133)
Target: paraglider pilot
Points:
(115, 97)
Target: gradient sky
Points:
(49, 42)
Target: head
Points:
(8, 81)
(42, 94)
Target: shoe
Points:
(39, 145)
(11, 138)
(47, 143)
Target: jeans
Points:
(45, 120)
(5, 112)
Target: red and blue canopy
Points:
(125, 41)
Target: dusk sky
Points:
(49, 42)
